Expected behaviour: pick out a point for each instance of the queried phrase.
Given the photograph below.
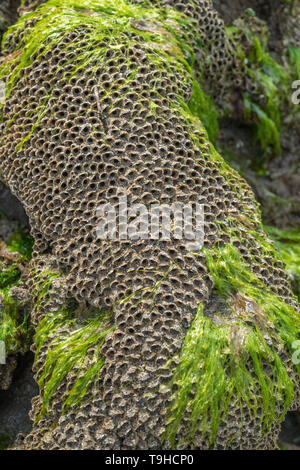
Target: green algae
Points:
(267, 133)
(287, 243)
(22, 243)
(101, 19)
(274, 81)
(73, 346)
(106, 24)
(202, 106)
(271, 83)
(15, 328)
(42, 284)
(294, 59)
(68, 346)
(223, 359)
(9, 324)
(9, 276)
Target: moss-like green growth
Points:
(267, 132)
(224, 359)
(71, 347)
(104, 22)
(272, 84)
(9, 276)
(42, 285)
(9, 322)
(287, 243)
(22, 243)
(57, 18)
(15, 329)
(294, 58)
(202, 106)
(273, 79)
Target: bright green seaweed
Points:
(68, 351)
(273, 83)
(73, 344)
(22, 243)
(202, 106)
(213, 368)
(15, 329)
(103, 21)
(287, 242)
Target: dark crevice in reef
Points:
(290, 432)
(275, 183)
(15, 403)
(11, 207)
(270, 11)
(264, 9)
(8, 14)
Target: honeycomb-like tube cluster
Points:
(97, 110)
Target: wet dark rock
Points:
(15, 403)
(11, 207)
